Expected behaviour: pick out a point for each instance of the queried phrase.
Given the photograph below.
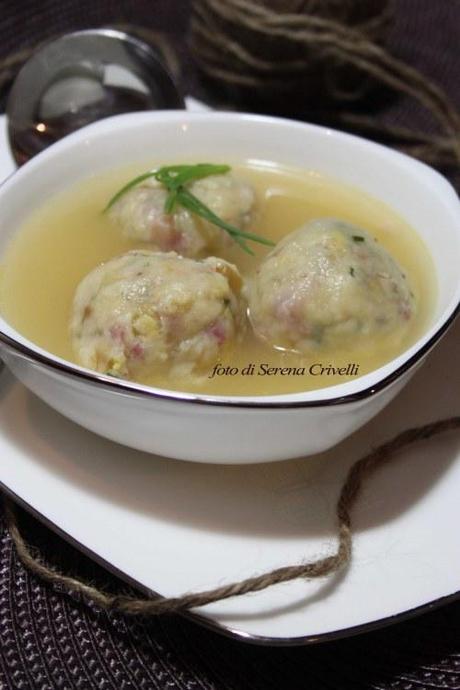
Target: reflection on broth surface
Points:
(69, 236)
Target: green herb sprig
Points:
(175, 179)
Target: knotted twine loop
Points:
(358, 474)
(229, 41)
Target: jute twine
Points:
(358, 474)
(232, 41)
(253, 44)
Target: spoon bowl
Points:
(80, 78)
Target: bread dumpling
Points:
(146, 311)
(328, 283)
(141, 216)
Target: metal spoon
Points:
(82, 77)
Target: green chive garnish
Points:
(175, 178)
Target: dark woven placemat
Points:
(49, 640)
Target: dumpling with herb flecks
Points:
(328, 283)
(141, 215)
(145, 311)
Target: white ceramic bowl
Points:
(231, 429)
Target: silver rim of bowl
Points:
(117, 385)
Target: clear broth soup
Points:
(68, 236)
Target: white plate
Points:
(174, 527)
